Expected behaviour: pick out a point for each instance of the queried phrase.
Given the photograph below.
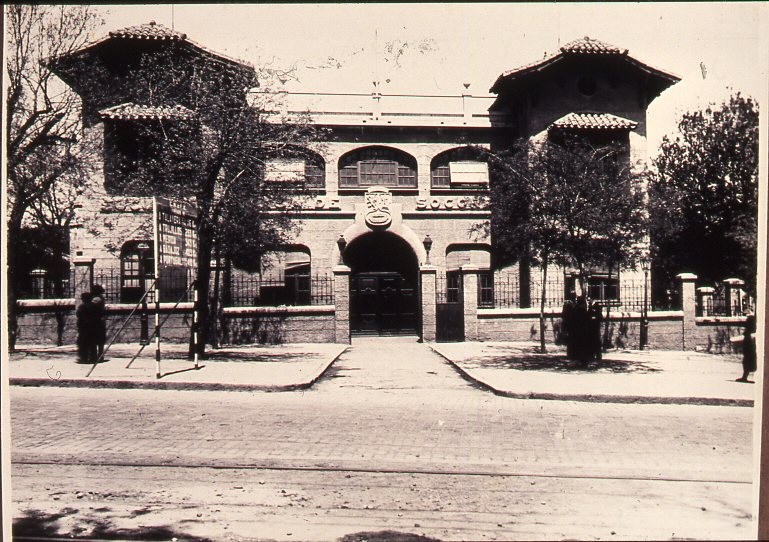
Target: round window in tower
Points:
(587, 85)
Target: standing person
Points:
(748, 348)
(595, 331)
(99, 321)
(567, 317)
(85, 335)
(581, 329)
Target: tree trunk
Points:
(205, 246)
(542, 299)
(12, 237)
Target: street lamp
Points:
(341, 242)
(144, 335)
(645, 314)
(428, 244)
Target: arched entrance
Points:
(383, 285)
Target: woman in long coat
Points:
(748, 348)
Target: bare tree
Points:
(43, 146)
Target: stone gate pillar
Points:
(689, 308)
(342, 304)
(427, 274)
(470, 301)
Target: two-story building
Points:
(397, 187)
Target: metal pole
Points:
(157, 330)
(143, 318)
(156, 254)
(195, 323)
(645, 316)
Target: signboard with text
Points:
(175, 246)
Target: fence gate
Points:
(449, 309)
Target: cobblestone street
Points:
(391, 438)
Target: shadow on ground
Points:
(386, 536)
(534, 361)
(35, 524)
(211, 355)
(215, 355)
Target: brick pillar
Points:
(732, 289)
(705, 299)
(427, 275)
(83, 276)
(342, 303)
(470, 300)
(689, 307)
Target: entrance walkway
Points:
(392, 363)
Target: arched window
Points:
(463, 167)
(377, 166)
(300, 166)
(137, 269)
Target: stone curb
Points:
(160, 385)
(594, 398)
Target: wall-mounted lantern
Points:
(428, 244)
(341, 242)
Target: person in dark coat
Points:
(748, 348)
(85, 329)
(567, 317)
(595, 331)
(581, 330)
(99, 321)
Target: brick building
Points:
(396, 194)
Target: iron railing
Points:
(251, 290)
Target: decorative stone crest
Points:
(378, 202)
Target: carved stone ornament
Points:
(378, 202)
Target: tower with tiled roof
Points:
(146, 92)
(128, 65)
(587, 85)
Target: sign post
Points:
(175, 260)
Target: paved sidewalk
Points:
(650, 376)
(240, 368)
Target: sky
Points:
(716, 48)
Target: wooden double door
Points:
(383, 303)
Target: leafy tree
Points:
(566, 201)
(704, 195)
(44, 150)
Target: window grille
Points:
(377, 167)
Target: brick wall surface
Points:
(44, 327)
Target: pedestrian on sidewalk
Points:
(748, 348)
(99, 321)
(567, 323)
(85, 329)
(596, 342)
(581, 329)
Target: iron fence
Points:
(448, 288)
(254, 291)
(725, 301)
(48, 287)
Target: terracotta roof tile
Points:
(131, 111)
(150, 31)
(582, 46)
(591, 46)
(593, 121)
